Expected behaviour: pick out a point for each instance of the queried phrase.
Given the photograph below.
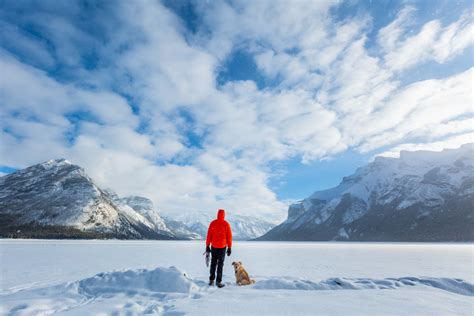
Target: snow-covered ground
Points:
(169, 277)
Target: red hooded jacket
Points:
(219, 234)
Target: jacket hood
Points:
(220, 214)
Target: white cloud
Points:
(426, 103)
(42, 98)
(389, 36)
(267, 23)
(454, 39)
(447, 143)
(23, 45)
(414, 49)
(333, 93)
(115, 154)
(438, 130)
(433, 42)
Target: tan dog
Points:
(241, 275)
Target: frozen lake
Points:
(28, 267)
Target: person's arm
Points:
(229, 236)
(209, 235)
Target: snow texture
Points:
(167, 280)
(159, 290)
(457, 286)
(161, 286)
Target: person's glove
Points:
(229, 251)
(208, 249)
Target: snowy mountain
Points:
(180, 230)
(144, 207)
(243, 227)
(58, 199)
(421, 196)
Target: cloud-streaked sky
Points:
(244, 105)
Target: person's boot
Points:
(220, 284)
(211, 282)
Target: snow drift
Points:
(158, 290)
(173, 280)
(168, 280)
(451, 285)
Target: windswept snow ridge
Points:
(138, 291)
(164, 280)
(158, 290)
(451, 285)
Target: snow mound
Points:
(163, 290)
(457, 286)
(167, 280)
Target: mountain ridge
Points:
(58, 199)
(244, 227)
(421, 196)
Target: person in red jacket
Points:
(219, 236)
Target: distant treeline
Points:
(34, 231)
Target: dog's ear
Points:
(233, 263)
(240, 262)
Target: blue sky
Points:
(246, 105)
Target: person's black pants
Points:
(217, 260)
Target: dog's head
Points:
(236, 265)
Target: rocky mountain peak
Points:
(423, 196)
(59, 196)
